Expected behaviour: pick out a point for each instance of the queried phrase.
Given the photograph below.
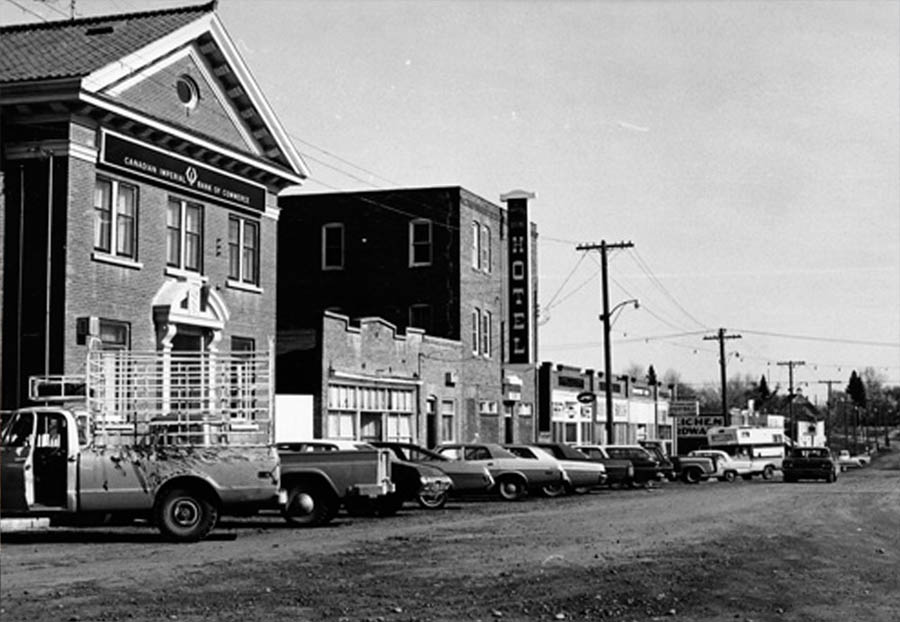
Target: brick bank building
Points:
(140, 168)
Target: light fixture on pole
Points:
(606, 317)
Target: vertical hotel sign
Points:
(519, 266)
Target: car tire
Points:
(768, 472)
(433, 501)
(183, 515)
(729, 476)
(831, 478)
(309, 506)
(510, 488)
(691, 476)
(556, 489)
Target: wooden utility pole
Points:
(603, 247)
(829, 420)
(721, 337)
(790, 366)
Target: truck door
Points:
(51, 459)
(17, 467)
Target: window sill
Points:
(187, 275)
(116, 261)
(421, 265)
(244, 287)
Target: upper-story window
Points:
(184, 235)
(243, 250)
(476, 246)
(485, 248)
(420, 242)
(481, 247)
(476, 330)
(333, 246)
(115, 218)
(486, 333)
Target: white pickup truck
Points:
(728, 468)
(177, 438)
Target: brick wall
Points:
(117, 292)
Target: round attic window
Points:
(188, 93)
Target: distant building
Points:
(571, 408)
(140, 165)
(441, 268)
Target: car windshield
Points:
(809, 453)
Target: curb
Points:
(8, 525)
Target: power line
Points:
(882, 344)
(653, 279)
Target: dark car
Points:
(468, 478)
(618, 472)
(646, 467)
(810, 463)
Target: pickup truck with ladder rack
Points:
(178, 438)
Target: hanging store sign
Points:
(183, 174)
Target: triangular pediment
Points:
(182, 90)
(230, 109)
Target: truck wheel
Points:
(511, 488)
(768, 472)
(185, 516)
(691, 476)
(309, 506)
(432, 501)
(729, 476)
(556, 489)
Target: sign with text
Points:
(697, 425)
(519, 278)
(682, 408)
(183, 174)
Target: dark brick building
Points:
(140, 167)
(441, 260)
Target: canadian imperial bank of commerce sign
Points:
(181, 173)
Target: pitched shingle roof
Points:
(75, 48)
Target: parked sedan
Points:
(411, 481)
(514, 476)
(582, 474)
(617, 471)
(468, 478)
(646, 467)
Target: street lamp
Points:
(606, 317)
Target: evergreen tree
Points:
(762, 389)
(651, 377)
(856, 390)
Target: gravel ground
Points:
(748, 551)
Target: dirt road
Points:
(742, 551)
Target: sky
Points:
(750, 151)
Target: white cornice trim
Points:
(133, 63)
(106, 104)
(284, 142)
(39, 149)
